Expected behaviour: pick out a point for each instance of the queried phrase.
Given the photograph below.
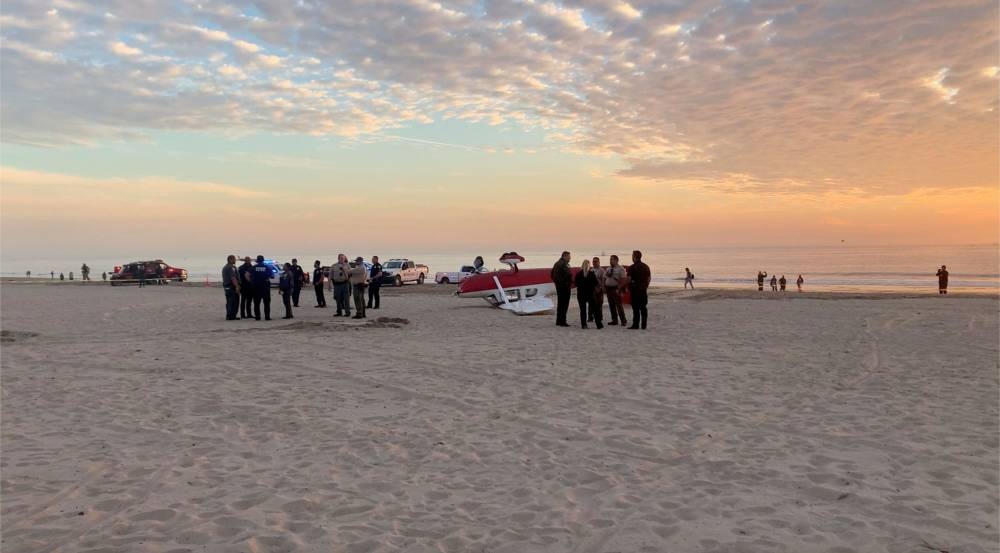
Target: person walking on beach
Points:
(760, 280)
(586, 296)
(27, 274)
(614, 282)
(774, 283)
(562, 277)
(358, 277)
(782, 282)
(298, 279)
(231, 286)
(317, 279)
(799, 281)
(688, 278)
(599, 273)
(246, 286)
(341, 286)
(261, 289)
(942, 275)
(52, 274)
(71, 275)
(638, 282)
(104, 276)
(286, 288)
(375, 284)
(84, 272)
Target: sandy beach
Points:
(140, 420)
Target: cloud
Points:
(881, 96)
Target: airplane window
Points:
(529, 292)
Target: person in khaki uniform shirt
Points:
(614, 281)
(341, 286)
(358, 277)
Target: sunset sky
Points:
(206, 126)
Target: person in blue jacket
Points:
(286, 288)
(261, 289)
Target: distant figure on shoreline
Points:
(774, 283)
(760, 280)
(688, 278)
(104, 276)
(782, 282)
(84, 272)
(28, 273)
(61, 277)
(52, 274)
(942, 275)
(799, 281)
(71, 275)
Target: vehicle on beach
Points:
(400, 271)
(454, 277)
(154, 272)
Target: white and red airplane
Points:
(521, 291)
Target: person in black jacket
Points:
(562, 276)
(246, 285)
(261, 289)
(318, 284)
(298, 279)
(586, 295)
(942, 275)
(638, 284)
(286, 288)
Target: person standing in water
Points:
(760, 280)
(799, 281)
(942, 275)
(782, 282)
(774, 283)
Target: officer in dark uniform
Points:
(286, 287)
(246, 285)
(318, 284)
(562, 277)
(298, 279)
(261, 289)
(375, 284)
(638, 283)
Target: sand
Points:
(140, 420)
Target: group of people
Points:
(776, 283)
(248, 286)
(594, 283)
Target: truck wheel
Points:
(399, 281)
(420, 279)
(445, 281)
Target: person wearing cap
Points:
(317, 279)
(261, 289)
(246, 285)
(298, 279)
(375, 284)
(341, 286)
(358, 277)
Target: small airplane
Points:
(520, 291)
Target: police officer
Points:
(246, 285)
(261, 289)
(298, 279)
(374, 298)
(562, 277)
(286, 288)
(318, 284)
(341, 286)
(638, 283)
(231, 285)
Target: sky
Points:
(200, 126)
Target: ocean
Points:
(972, 268)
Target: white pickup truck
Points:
(454, 277)
(399, 271)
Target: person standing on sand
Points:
(562, 277)
(799, 281)
(246, 286)
(688, 278)
(52, 274)
(298, 279)
(586, 295)
(375, 284)
(760, 280)
(774, 283)
(942, 275)
(358, 277)
(104, 276)
(614, 282)
(286, 288)
(261, 289)
(28, 274)
(599, 273)
(782, 282)
(638, 282)
(231, 286)
(84, 272)
(317, 279)
(341, 286)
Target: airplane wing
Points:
(536, 305)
